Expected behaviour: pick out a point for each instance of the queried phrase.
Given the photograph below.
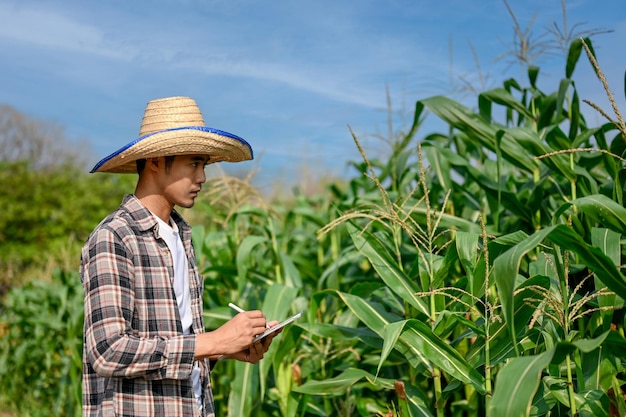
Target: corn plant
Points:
(512, 313)
(474, 272)
(41, 348)
(265, 258)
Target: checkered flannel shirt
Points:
(136, 360)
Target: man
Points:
(146, 352)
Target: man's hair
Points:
(169, 160)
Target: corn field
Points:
(473, 272)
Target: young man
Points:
(146, 352)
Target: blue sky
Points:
(288, 76)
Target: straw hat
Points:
(174, 126)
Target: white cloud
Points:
(48, 28)
(303, 69)
(314, 51)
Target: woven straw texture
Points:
(175, 126)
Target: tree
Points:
(50, 202)
(42, 143)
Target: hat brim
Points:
(201, 140)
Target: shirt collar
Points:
(144, 219)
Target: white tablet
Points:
(277, 327)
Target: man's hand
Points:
(235, 336)
(254, 353)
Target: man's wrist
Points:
(202, 348)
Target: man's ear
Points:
(153, 163)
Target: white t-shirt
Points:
(181, 273)
(169, 233)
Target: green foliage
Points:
(496, 256)
(41, 347)
(476, 272)
(49, 213)
(552, 199)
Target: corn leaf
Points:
(463, 119)
(506, 266)
(600, 208)
(347, 379)
(276, 306)
(518, 380)
(417, 341)
(387, 268)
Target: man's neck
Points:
(158, 205)
(151, 194)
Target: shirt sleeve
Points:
(113, 347)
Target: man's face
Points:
(182, 182)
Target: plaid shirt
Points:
(136, 360)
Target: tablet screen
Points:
(277, 327)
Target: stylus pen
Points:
(241, 310)
(236, 308)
